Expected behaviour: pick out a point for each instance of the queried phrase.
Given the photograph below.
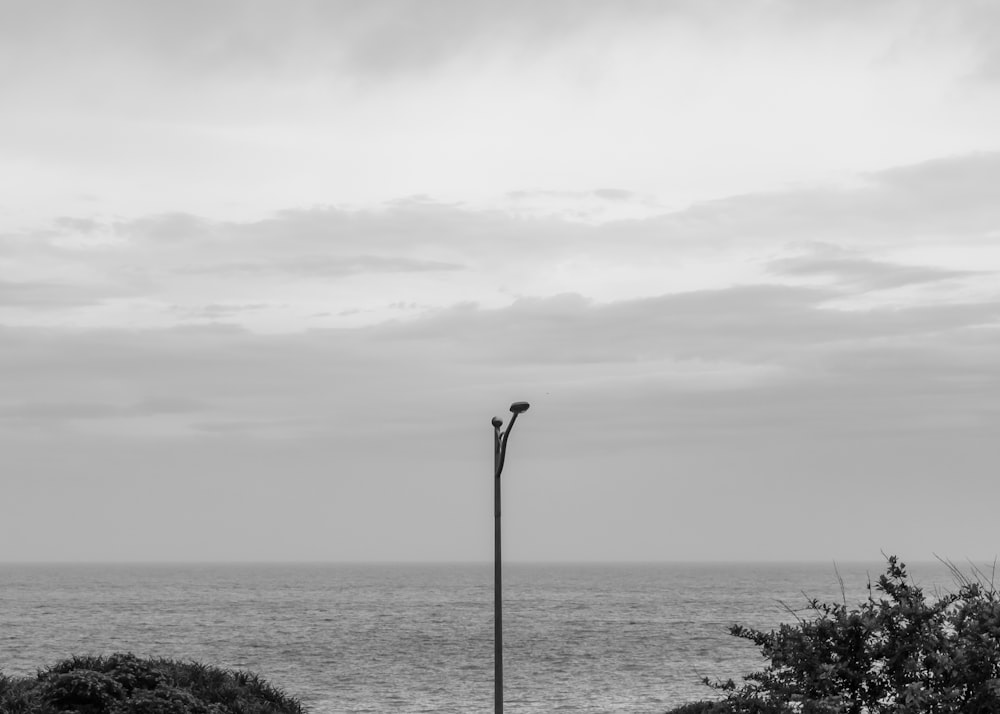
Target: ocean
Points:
(419, 638)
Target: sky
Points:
(267, 270)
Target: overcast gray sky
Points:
(267, 270)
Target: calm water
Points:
(419, 638)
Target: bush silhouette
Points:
(165, 700)
(898, 652)
(126, 684)
(83, 691)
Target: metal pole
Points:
(497, 609)
(499, 454)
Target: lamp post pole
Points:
(499, 453)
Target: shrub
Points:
(19, 696)
(134, 673)
(126, 684)
(164, 700)
(898, 652)
(83, 691)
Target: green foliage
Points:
(129, 671)
(126, 684)
(19, 696)
(165, 700)
(134, 673)
(83, 691)
(899, 652)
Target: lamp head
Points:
(497, 422)
(519, 407)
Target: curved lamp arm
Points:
(503, 446)
(500, 438)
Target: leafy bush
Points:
(83, 691)
(165, 700)
(899, 652)
(126, 684)
(134, 673)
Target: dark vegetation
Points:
(126, 684)
(900, 651)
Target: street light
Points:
(499, 453)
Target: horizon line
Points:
(484, 563)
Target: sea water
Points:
(419, 638)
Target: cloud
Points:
(78, 225)
(210, 281)
(327, 266)
(786, 327)
(174, 227)
(771, 347)
(235, 39)
(220, 310)
(614, 194)
(949, 196)
(232, 38)
(608, 194)
(705, 402)
(55, 411)
(920, 234)
(48, 296)
(859, 274)
(251, 108)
